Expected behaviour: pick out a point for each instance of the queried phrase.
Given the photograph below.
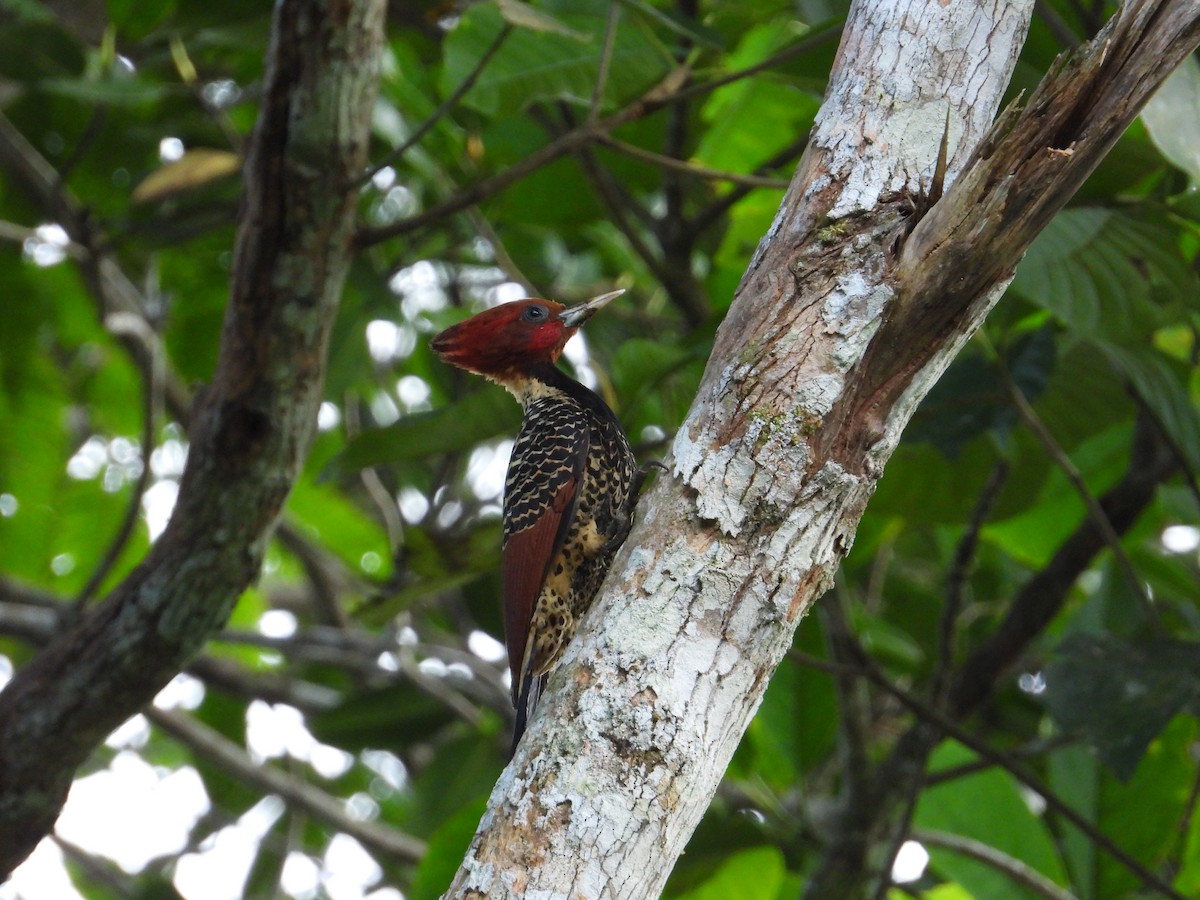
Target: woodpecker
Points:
(571, 486)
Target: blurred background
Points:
(1020, 606)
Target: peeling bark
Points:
(851, 309)
(251, 429)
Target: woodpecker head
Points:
(507, 341)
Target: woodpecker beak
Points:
(574, 316)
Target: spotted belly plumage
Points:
(567, 505)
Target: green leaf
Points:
(1099, 270)
(447, 846)
(487, 413)
(1120, 696)
(394, 716)
(1075, 776)
(522, 15)
(33, 50)
(535, 65)
(989, 807)
(116, 91)
(1143, 816)
(755, 874)
(1172, 116)
(754, 118)
(137, 18)
(970, 399)
(1162, 384)
(339, 525)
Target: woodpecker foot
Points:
(624, 522)
(639, 478)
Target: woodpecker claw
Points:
(624, 522)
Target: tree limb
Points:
(830, 343)
(251, 430)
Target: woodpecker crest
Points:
(571, 485)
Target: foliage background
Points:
(532, 163)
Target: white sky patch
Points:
(277, 623)
(132, 734)
(505, 292)
(88, 460)
(486, 469)
(433, 667)
(349, 869)
(362, 807)
(328, 416)
(170, 149)
(413, 392)
(449, 514)
(222, 93)
(132, 812)
(421, 290)
(413, 504)
(168, 459)
(8, 505)
(397, 202)
(157, 505)
(576, 352)
(6, 670)
(1181, 538)
(384, 178)
(1032, 683)
(384, 409)
(182, 692)
(48, 245)
(652, 434)
(486, 647)
(301, 876)
(219, 870)
(42, 876)
(275, 730)
(910, 863)
(388, 766)
(383, 340)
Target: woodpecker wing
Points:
(541, 494)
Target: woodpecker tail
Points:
(531, 690)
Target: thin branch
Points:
(100, 872)
(698, 171)
(1042, 597)
(444, 107)
(138, 328)
(211, 745)
(250, 433)
(318, 565)
(980, 746)
(1057, 24)
(852, 700)
(1035, 424)
(715, 210)
(956, 579)
(111, 289)
(20, 234)
(670, 89)
(1181, 458)
(606, 53)
(1020, 872)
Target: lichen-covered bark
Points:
(835, 334)
(251, 427)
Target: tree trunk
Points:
(859, 296)
(251, 429)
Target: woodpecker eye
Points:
(535, 314)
